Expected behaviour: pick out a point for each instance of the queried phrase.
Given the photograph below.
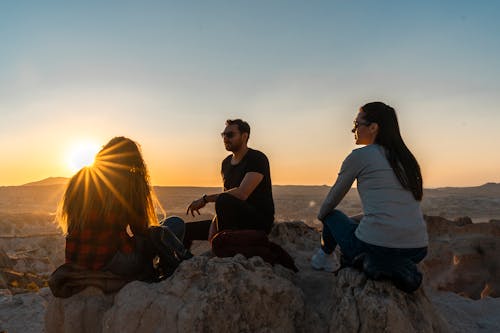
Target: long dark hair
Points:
(401, 159)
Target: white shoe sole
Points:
(321, 268)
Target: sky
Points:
(168, 74)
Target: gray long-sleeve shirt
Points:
(392, 216)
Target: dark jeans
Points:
(139, 262)
(397, 264)
(231, 213)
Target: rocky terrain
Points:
(238, 294)
(464, 257)
(460, 293)
(31, 247)
(209, 294)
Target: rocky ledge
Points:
(208, 294)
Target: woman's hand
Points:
(196, 205)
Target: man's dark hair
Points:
(243, 126)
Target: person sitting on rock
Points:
(108, 214)
(247, 199)
(391, 236)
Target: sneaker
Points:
(326, 262)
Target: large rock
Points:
(465, 315)
(204, 295)
(463, 257)
(23, 312)
(348, 302)
(80, 313)
(362, 305)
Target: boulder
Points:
(465, 315)
(82, 312)
(204, 294)
(23, 312)
(361, 305)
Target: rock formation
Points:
(463, 257)
(23, 312)
(31, 248)
(209, 294)
(204, 295)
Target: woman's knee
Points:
(176, 225)
(173, 219)
(334, 215)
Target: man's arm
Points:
(249, 183)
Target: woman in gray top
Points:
(391, 236)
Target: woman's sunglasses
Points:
(358, 123)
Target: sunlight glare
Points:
(82, 154)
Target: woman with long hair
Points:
(390, 237)
(108, 213)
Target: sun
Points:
(81, 154)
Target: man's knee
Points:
(225, 200)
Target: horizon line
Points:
(35, 183)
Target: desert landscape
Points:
(462, 270)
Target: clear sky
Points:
(168, 74)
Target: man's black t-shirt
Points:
(253, 161)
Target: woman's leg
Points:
(176, 225)
(339, 229)
(396, 264)
(135, 265)
(415, 255)
(171, 233)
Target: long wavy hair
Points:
(115, 189)
(401, 159)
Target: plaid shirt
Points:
(94, 246)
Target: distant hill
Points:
(49, 181)
(488, 189)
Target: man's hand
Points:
(196, 206)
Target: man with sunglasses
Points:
(247, 199)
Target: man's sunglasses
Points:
(228, 135)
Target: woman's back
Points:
(102, 200)
(94, 246)
(392, 216)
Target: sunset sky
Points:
(168, 75)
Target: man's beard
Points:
(232, 147)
